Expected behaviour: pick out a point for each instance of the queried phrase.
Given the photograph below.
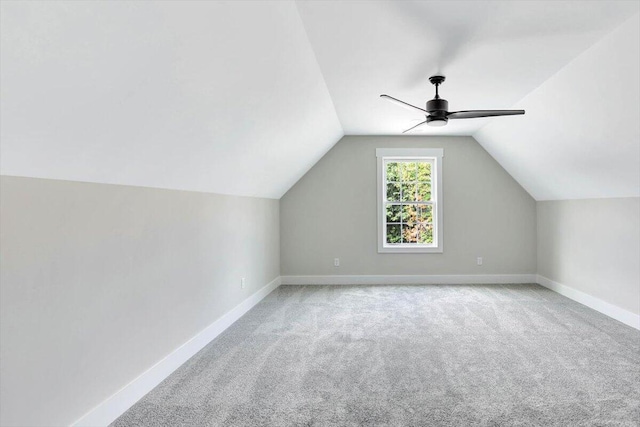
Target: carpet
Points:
(439, 355)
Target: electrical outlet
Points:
(479, 260)
(242, 283)
(336, 262)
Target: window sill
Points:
(407, 250)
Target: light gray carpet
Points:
(488, 355)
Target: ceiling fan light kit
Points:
(437, 111)
(437, 121)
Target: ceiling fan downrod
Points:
(437, 107)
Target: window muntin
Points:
(409, 200)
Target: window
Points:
(409, 200)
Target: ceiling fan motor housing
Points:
(438, 107)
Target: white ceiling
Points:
(207, 96)
(493, 54)
(244, 97)
(581, 138)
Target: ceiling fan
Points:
(437, 113)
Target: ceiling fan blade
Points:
(472, 114)
(414, 127)
(403, 104)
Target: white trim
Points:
(435, 155)
(106, 412)
(409, 152)
(608, 309)
(446, 279)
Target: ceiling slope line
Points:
(572, 60)
(315, 58)
(561, 152)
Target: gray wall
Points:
(593, 246)
(100, 282)
(331, 212)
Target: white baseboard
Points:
(447, 279)
(613, 311)
(116, 405)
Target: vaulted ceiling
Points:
(581, 136)
(244, 97)
(205, 96)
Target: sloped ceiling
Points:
(560, 61)
(493, 54)
(222, 97)
(581, 138)
(244, 97)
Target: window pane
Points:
(424, 191)
(409, 214)
(393, 192)
(424, 171)
(409, 233)
(393, 213)
(408, 171)
(425, 233)
(392, 172)
(424, 213)
(393, 233)
(409, 192)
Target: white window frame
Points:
(408, 154)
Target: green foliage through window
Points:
(409, 202)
